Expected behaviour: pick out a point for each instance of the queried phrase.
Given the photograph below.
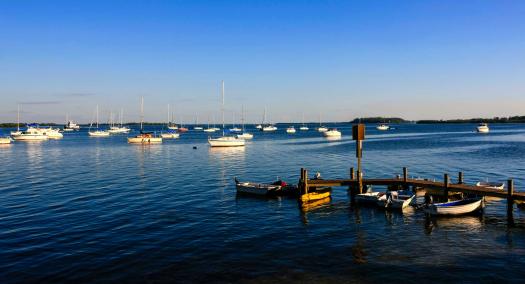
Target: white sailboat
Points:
(290, 130)
(321, 128)
(244, 134)
(144, 137)
(234, 128)
(267, 127)
(197, 126)
(303, 126)
(225, 141)
(97, 132)
(17, 132)
(170, 134)
(171, 125)
(121, 128)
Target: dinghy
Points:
(492, 185)
(277, 188)
(395, 200)
(368, 197)
(459, 207)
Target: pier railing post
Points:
(446, 182)
(510, 201)
(460, 178)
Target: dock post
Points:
(352, 173)
(446, 182)
(460, 178)
(510, 202)
(305, 181)
(301, 182)
(359, 182)
(405, 174)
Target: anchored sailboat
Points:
(225, 141)
(97, 132)
(144, 137)
(170, 134)
(244, 134)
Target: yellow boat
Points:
(316, 194)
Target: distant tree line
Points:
(379, 119)
(512, 119)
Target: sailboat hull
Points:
(144, 140)
(226, 142)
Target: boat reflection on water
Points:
(461, 223)
(333, 138)
(227, 152)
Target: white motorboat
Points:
(382, 127)
(5, 140)
(198, 128)
(144, 137)
(51, 133)
(483, 128)
(70, 125)
(210, 129)
(290, 130)
(303, 128)
(97, 132)
(258, 126)
(30, 134)
(333, 132)
(269, 128)
(235, 129)
(170, 135)
(459, 207)
(225, 141)
(395, 200)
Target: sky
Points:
(334, 59)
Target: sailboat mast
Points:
(18, 118)
(242, 117)
(97, 116)
(141, 113)
(168, 114)
(222, 108)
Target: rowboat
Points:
(278, 188)
(459, 207)
(316, 194)
(395, 200)
(491, 185)
(368, 197)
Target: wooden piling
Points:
(351, 187)
(446, 183)
(510, 201)
(460, 178)
(305, 181)
(405, 174)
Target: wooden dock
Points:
(355, 184)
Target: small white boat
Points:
(173, 127)
(235, 129)
(210, 130)
(144, 137)
(395, 200)
(269, 128)
(244, 135)
(322, 129)
(303, 128)
(170, 135)
(459, 207)
(368, 197)
(119, 130)
(97, 132)
(198, 128)
(491, 185)
(382, 127)
(332, 133)
(71, 126)
(483, 128)
(5, 140)
(261, 189)
(258, 126)
(226, 141)
(290, 130)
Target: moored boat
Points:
(368, 197)
(459, 207)
(316, 194)
(382, 127)
(225, 141)
(144, 137)
(483, 128)
(290, 130)
(395, 200)
(30, 134)
(333, 132)
(5, 140)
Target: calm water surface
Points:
(88, 209)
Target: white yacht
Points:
(382, 127)
(225, 141)
(144, 137)
(97, 132)
(71, 126)
(483, 128)
(51, 133)
(30, 134)
(333, 132)
(290, 130)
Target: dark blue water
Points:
(87, 209)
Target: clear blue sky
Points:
(414, 59)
